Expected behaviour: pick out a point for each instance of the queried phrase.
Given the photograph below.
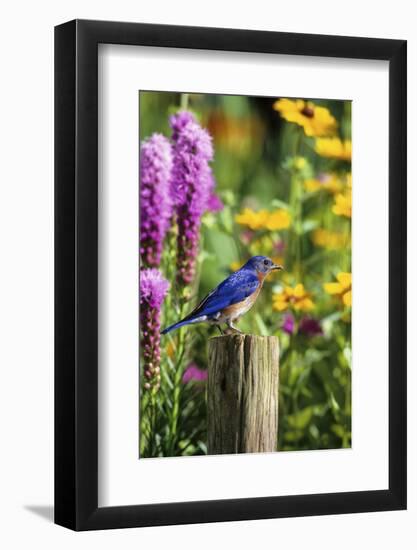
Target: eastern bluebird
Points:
(232, 298)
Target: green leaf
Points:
(334, 403)
(300, 419)
(293, 436)
(261, 325)
(277, 203)
(338, 430)
(309, 225)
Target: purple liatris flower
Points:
(179, 121)
(155, 199)
(153, 288)
(192, 186)
(193, 372)
(214, 203)
(289, 324)
(310, 326)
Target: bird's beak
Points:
(276, 267)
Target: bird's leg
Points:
(230, 325)
(220, 328)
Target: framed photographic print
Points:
(230, 275)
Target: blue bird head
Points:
(262, 264)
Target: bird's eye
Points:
(266, 262)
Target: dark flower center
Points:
(308, 111)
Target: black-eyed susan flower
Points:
(342, 289)
(343, 204)
(293, 298)
(334, 148)
(331, 240)
(272, 221)
(316, 121)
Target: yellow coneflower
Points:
(278, 219)
(343, 204)
(334, 148)
(331, 240)
(294, 298)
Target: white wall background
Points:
(26, 275)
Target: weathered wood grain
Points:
(242, 394)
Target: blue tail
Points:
(178, 325)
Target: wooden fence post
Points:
(242, 394)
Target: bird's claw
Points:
(233, 330)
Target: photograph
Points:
(245, 211)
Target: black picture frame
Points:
(76, 272)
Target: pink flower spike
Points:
(194, 373)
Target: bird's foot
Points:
(233, 330)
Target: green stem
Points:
(297, 225)
(294, 248)
(176, 392)
(148, 425)
(181, 350)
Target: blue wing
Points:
(234, 289)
